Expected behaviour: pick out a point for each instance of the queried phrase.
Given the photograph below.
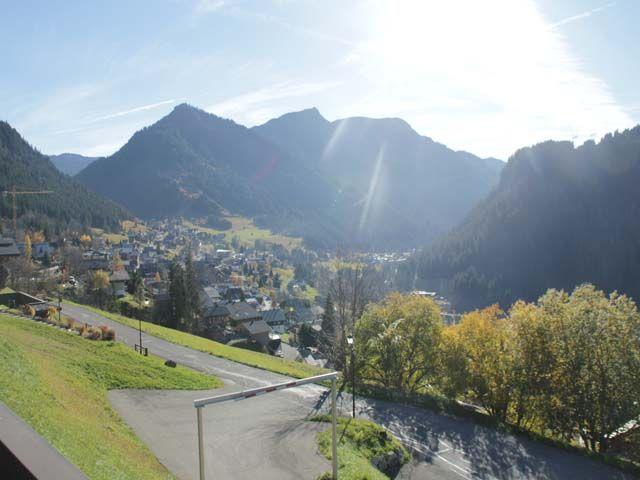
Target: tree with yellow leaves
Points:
(397, 342)
(27, 247)
(594, 353)
(99, 281)
(487, 342)
(85, 240)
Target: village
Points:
(258, 295)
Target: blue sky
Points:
(487, 77)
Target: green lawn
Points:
(247, 357)
(359, 441)
(58, 382)
(247, 233)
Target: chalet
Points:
(298, 310)
(275, 319)
(41, 250)
(8, 248)
(96, 260)
(256, 329)
(242, 312)
(118, 281)
(210, 296)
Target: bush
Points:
(108, 333)
(29, 310)
(93, 333)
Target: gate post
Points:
(334, 441)
(200, 443)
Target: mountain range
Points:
(356, 182)
(70, 163)
(560, 216)
(71, 203)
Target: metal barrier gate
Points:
(203, 402)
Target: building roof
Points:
(242, 311)
(8, 247)
(256, 327)
(212, 292)
(274, 316)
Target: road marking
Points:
(416, 444)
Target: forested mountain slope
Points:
(70, 204)
(560, 216)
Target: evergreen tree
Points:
(177, 300)
(328, 333)
(192, 297)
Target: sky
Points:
(485, 76)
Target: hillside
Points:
(71, 203)
(401, 182)
(71, 163)
(58, 383)
(193, 163)
(560, 216)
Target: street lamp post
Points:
(353, 374)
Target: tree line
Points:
(566, 366)
(560, 216)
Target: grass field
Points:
(247, 233)
(130, 226)
(247, 357)
(114, 238)
(359, 442)
(58, 382)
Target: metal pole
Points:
(59, 305)
(200, 443)
(334, 434)
(353, 380)
(140, 331)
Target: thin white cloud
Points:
(490, 81)
(582, 15)
(203, 7)
(132, 110)
(295, 28)
(241, 107)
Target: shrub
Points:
(63, 322)
(51, 312)
(93, 333)
(108, 333)
(29, 310)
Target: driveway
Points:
(266, 437)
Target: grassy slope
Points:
(58, 383)
(359, 442)
(247, 233)
(247, 357)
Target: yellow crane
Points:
(14, 193)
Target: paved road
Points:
(266, 436)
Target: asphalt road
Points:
(266, 436)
